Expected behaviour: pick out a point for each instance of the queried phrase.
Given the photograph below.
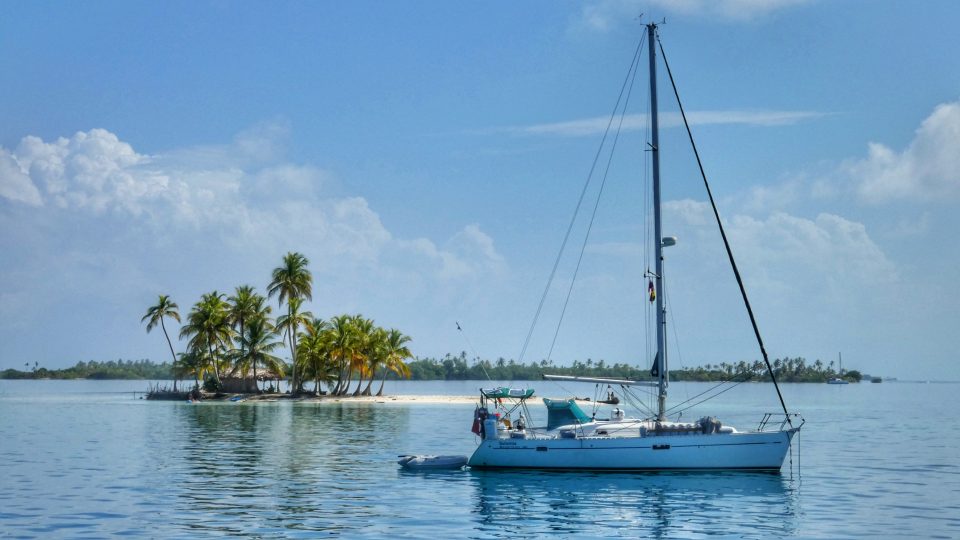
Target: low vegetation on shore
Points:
(111, 370)
(453, 368)
(460, 368)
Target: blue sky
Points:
(427, 156)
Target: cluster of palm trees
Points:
(234, 336)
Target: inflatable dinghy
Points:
(418, 463)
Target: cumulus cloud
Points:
(15, 184)
(91, 170)
(927, 169)
(793, 253)
(236, 198)
(602, 15)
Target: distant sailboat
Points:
(838, 380)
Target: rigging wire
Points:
(583, 192)
(725, 390)
(474, 351)
(723, 234)
(596, 205)
(676, 334)
(674, 408)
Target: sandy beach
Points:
(401, 399)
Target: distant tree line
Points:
(458, 368)
(113, 369)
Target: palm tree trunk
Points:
(346, 381)
(216, 368)
(359, 384)
(244, 374)
(174, 365)
(366, 391)
(299, 378)
(336, 390)
(255, 385)
(383, 380)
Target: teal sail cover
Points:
(504, 392)
(563, 412)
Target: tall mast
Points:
(664, 379)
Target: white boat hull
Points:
(760, 451)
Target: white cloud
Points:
(634, 122)
(15, 184)
(185, 189)
(468, 253)
(92, 170)
(791, 253)
(927, 169)
(601, 15)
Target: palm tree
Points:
(292, 280)
(261, 310)
(314, 354)
(365, 349)
(395, 351)
(208, 326)
(342, 344)
(376, 355)
(241, 310)
(289, 324)
(245, 306)
(257, 343)
(193, 363)
(164, 308)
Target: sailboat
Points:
(840, 379)
(575, 440)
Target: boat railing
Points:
(771, 419)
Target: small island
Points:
(232, 343)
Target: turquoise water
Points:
(86, 459)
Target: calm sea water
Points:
(86, 459)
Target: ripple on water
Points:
(102, 466)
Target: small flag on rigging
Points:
(655, 370)
(652, 290)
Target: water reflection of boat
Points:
(572, 439)
(657, 505)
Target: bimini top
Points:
(562, 412)
(504, 392)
